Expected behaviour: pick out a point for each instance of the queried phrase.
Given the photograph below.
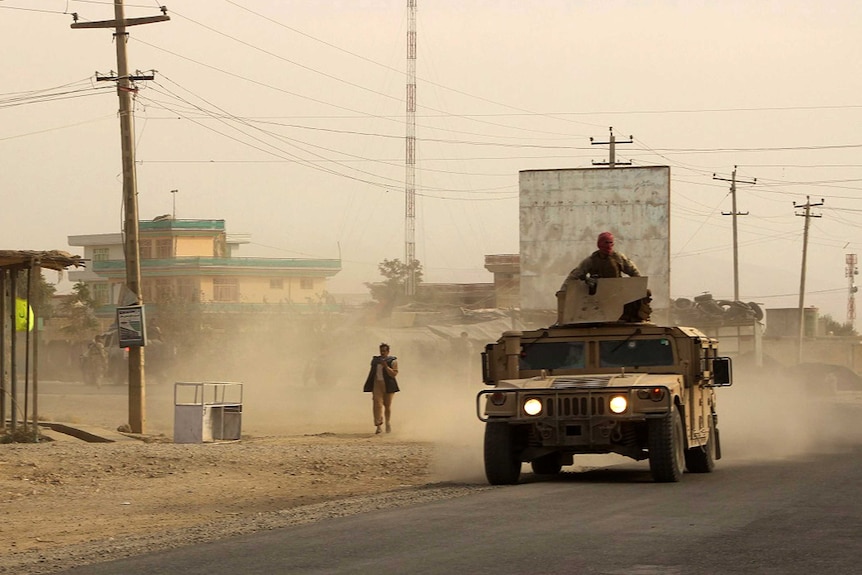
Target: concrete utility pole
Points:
(807, 215)
(612, 158)
(125, 89)
(174, 197)
(733, 181)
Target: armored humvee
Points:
(592, 383)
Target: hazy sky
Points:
(286, 119)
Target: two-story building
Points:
(194, 262)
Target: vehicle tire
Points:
(711, 309)
(666, 448)
(758, 312)
(550, 464)
(502, 461)
(682, 303)
(701, 459)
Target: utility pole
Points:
(174, 197)
(851, 271)
(733, 181)
(410, 154)
(125, 89)
(807, 215)
(612, 158)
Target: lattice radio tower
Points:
(851, 271)
(410, 153)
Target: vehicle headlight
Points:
(533, 406)
(618, 404)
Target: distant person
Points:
(383, 386)
(96, 362)
(462, 354)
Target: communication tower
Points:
(410, 153)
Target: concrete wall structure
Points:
(563, 211)
(507, 279)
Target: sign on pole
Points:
(131, 327)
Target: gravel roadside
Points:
(71, 503)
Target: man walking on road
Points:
(383, 386)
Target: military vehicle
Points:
(593, 383)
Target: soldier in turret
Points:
(605, 262)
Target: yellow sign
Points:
(24, 319)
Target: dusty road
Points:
(793, 517)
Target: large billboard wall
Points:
(562, 213)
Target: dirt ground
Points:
(300, 446)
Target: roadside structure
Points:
(16, 316)
(194, 262)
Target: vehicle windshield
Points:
(557, 355)
(635, 353)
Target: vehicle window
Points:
(635, 353)
(557, 355)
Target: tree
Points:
(390, 292)
(41, 293)
(179, 320)
(79, 309)
(833, 327)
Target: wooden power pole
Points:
(807, 215)
(733, 181)
(125, 89)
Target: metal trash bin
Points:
(207, 411)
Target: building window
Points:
(164, 249)
(100, 293)
(187, 290)
(164, 290)
(276, 283)
(146, 249)
(306, 283)
(225, 289)
(100, 254)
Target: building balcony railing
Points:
(202, 265)
(241, 308)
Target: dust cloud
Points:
(301, 381)
(774, 413)
(298, 382)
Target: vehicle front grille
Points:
(575, 405)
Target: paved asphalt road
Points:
(790, 517)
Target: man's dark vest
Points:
(391, 382)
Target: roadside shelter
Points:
(17, 321)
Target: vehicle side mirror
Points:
(722, 372)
